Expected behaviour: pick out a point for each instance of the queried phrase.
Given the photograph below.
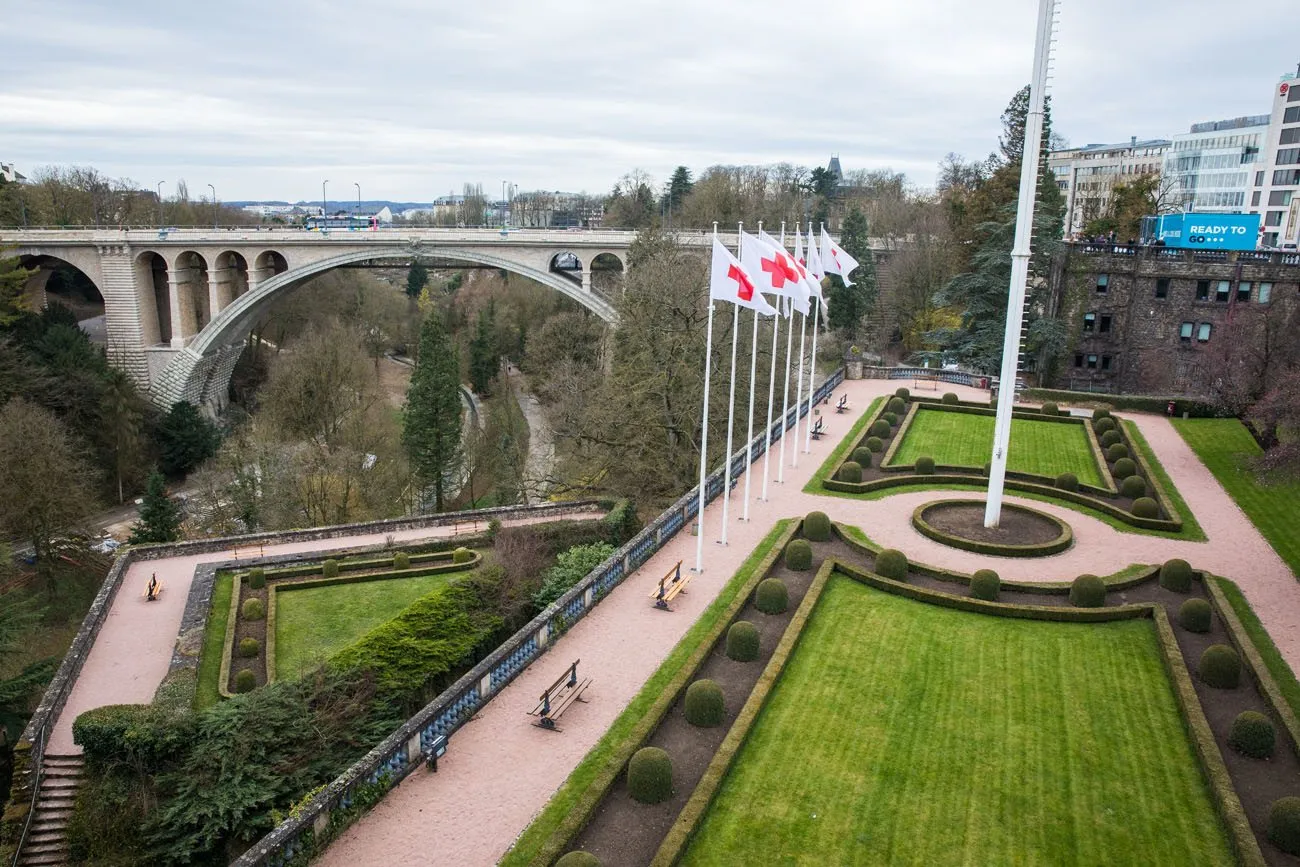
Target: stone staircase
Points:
(47, 839)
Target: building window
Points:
(1286, 177)
(1162, 287)
(1280, 197)
(1273, 218)
(1203, 333)
(1265, 292)
(1254, 199)
(1104, 325)
(1243, 292)
(1294, 95)
(1103, 283)
(1185, 332)
(1289, 136)
(1105, 362)
(1078, 359)
(1287, 157)
(1259, 179)
(1089, 321)
(1092, 362)
(1222, 290)
(1291, 115)
(1202, 290)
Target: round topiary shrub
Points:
(401, 560)
(1087, 591)
(891, 418)
(902, 393)
(816, 527)
(1176, 575)
(1220, 667)
(578, 858)
(252, 609)
(245, 680)
(985, 584)
(330, 568)
(988, 469)
(1124, 467)
(1116, 452)
(875, 444)
(703, 706)
(1194, 615)
(925, 465)
(798, 555)
(879, 428)
(771, 597)
(1284, 825)
(1098, 414)
(650, 776)
(892, 564)
(1103, 425)
(1252, 735)
(256, 578)
(850, 471)
(896, 405)
(861, 456)
(249, 647)
(1145, 507)
(742, 641)
(1049, 409)
(462, 555)
(949, 398)
(1109, 438)
(1067, 482)
(1133, 487)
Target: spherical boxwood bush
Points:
(252, 609)
(816, 527)
(1145, 507)
(650, 776)
(256, 578)
(1049, 409)
(875, 444)
(330, 568)
(892, 564)
(949, 398)
(850, 471)
(771, 597)
(462, 555)
(1220, 667)
(1124, 467)
(896, 405)
(249, 647)
(401, 560)
(245, 680)
(890, 417)
(902, 393)
(1087, 591)
(1103, 425)
(1252, 735)
(1194, 615)
(1176, 575)
(879, 428)
(1133, 487)
(1109, 438)
(925, 465)
(703, 706)
(1284, 825)
(1067, 482)
(1098, 414)
(742, 641)
(578, 858)
(861, 456)
(1116, 452)
(985, 584)
(798, 555)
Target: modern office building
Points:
(1276, 193)
(1086, 175)
(1212, 167)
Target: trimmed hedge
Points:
(401, 560)
(462, 555)
(897, 404)
(330, 568)
(879, 428)
(742, 641)
(1133, 487)
(650, 776)
(704, 705)
(1104, 425)
(578, 858)
(925, 465)
(861, 456)
(890, 418)
(1087, 591)
(1100, 413)
(148, 735)
(949, 398)
(256, 578)
(851, 472)
(772, 597)
(875, 445)
(1124, 468)
(817, 527)
(1176, 575)
(1067, 482)
(798, 555)
(902, 393)
(1049, 409)
(1284, 825)
(1142, 403)
(1145, 507)
(1116, 452)
(1252, 735)
(245, 680)
(249, 647)
(252, 609)
(985, 584)
(1109, 438)
(1220, 667)
(891, 563)
(1194, 615)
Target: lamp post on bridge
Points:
(358, 186)
(160, 204)
(324, 206)
(214, 205)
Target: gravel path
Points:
(500, 771)
(541, 438)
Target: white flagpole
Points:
(785, 389)
(771, 394)
(812, 361)
(704, 436)
(803, 332)
(749, 436)
(731, 413)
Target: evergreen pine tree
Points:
(484, 360)
(849, 305)
(417, 277)
(185, 438)
(431, 423)
(160, 516)
(13, 284)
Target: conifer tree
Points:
(431, 422)
(160, 516)
(849, 305)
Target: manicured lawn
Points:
(963, 440)
(314, 623)
(1226, 447)
(213, 641)
(847, 443)
(905, 733)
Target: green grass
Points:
(1191, 528)
(1277, 666)
(214, 639)
(905, 733)
(564, 800)
(842, 450)
(314, 623)
(962, 440)
(1226, 447)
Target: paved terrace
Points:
(500, 771)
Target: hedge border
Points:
(1174, 506)
(679, 836)
(1139, 403)
(1061, 543)
(228, 646)
(580, 813)
(314, 566)
(844, 450)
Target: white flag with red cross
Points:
(813, 265)
(730, 281)
(835, 260)
(774, 269)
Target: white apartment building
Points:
(1211, 168)
(10, 174)
(1276, 194)
(1086, 175)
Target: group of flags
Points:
(765, 277)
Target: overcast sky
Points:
(411, 99)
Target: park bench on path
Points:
(926, 381)
(843, 404)
(558, 697)
(819, 429)
(668, 589)
(153, 589)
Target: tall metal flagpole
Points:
(749, 435)
(731, 413)
(704, 435)
(1020, 254)
(785, 389)
(812, 360)
(798, 401)
(771, 393)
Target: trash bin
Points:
(1170, 409)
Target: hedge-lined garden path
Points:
(133, 651)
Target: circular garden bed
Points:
(1022, 531)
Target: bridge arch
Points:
(151, 276)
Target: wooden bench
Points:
(668, 589)
(819, 429)
(843, 404)
(558, 697)
(927, 382)
(157, 591)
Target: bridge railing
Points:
(953, 377)
(428, 732)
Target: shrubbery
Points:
(1220, 667)
(850, 471)
(570, 567)
(1067, 482)
(650, 776)
(1133, 487)
(1252, 735)
(949, 398)
(771, 597)
(1098, 414)
(1124, 468)
(462, 555)
(704, 704)
(861, 456)
(985, 584)
(1176, 575)
(252, 609)
(245, 680)
(892, 563)
(249, 647)
(256, 579)
(1284, 825)
(401, 560)
(875, 445)
(742, 641)
(1049, 409)
(902, 393)
(816, 527)
(925, 465)
(1103, 425)
(1116, 452)
(1194, 615)
(798, 555)
(1087, 591)
(896, 405)
(879, 428)
(330, 568)
(1145, 507)
(890, 418)
(578, 858)
(1109, 438)
(146, 735)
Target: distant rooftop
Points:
(1131, 144)
(1231, 123)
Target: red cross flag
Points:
(813, 265)
(730, 281)
(835, 260)
(775, 270)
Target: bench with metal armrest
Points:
(673, 583)
(558, 697)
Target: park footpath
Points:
(499, 771)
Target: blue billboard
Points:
(1209, 231)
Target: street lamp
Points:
(323, 205)
(214, 205)
(358, 186)
(160, 206)
(505, 201)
